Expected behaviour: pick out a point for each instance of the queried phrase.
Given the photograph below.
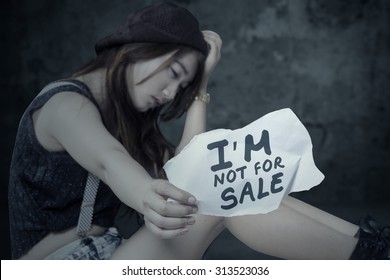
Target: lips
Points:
(157, 101)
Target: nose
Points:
(170, 92)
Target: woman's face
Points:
(165, 84)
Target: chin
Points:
(143, 109)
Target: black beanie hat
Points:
(160, 23)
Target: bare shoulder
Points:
(71, 122)
(67, 102)
(59, 114)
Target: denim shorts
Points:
(90, 247)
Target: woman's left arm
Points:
(195, 122)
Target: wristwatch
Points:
(204, 97)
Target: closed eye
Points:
(173, 72)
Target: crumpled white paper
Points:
(247, 170)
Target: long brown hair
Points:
(139, 132)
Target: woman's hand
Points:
(215, 43)
(167, 219)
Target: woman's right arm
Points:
(74, 123)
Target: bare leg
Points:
(144, 245)
(296, 230)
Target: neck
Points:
(96, 81)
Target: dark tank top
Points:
(46, 188)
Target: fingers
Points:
(167, 210)
(164, 233)
(213, 39)
(212, 36)
(164, 188)
(169, 222)
(168, 227)
(215, 43)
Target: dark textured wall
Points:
(328, 60)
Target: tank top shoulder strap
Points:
(66, 85)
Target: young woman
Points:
(88, 142)
(104, 120)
